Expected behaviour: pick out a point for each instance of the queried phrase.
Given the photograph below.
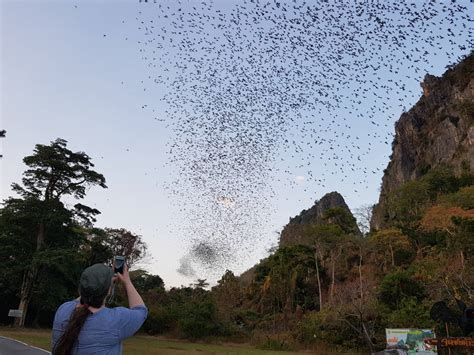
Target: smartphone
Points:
(119, 263)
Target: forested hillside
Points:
(329, 283)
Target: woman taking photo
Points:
(86, 326)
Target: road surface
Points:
(13, 347)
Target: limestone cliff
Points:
(291, 233)
(438, 130)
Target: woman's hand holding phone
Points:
(134, 298)
(125, 276)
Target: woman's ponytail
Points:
(71, 333)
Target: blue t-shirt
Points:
(103, 331)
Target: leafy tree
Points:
(123, 242)
(397, 286)
(451, 218)
(199, 320)
(144, 281)
(463, 198)
(465, 231)
(101, 245)
(19, 220)
(201, 284)
(228, 295)
(391, 244)
(343, 219)
(407, 204)
(327, 239)
(355, 307)
(97, 247)
(185, 311)
(442, 180)
(54, 172)
(452, 221)
(439, 217)
(282, 280)
(410, 314)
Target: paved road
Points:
(14, 347)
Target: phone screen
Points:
(119, 263)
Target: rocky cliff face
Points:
(291, 233)
(438, 130)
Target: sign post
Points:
(410, 339)
(451, 342)
(15, 313)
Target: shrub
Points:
(159, 321)
(397, 286)
(198, 320)
(411, 314)
(275, 344)
(463, 198)
(324, 327)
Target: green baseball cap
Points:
(95, 280)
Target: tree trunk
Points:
(334, 257)
(367, 337)
(360, 280)
(29, 280)
(392, 255)
(362, 331)
(319, 281)
(25, 293)
(40, 237)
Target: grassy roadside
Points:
(38, 338)
(145, 344)
(142, 344)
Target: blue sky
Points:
(72, 69)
